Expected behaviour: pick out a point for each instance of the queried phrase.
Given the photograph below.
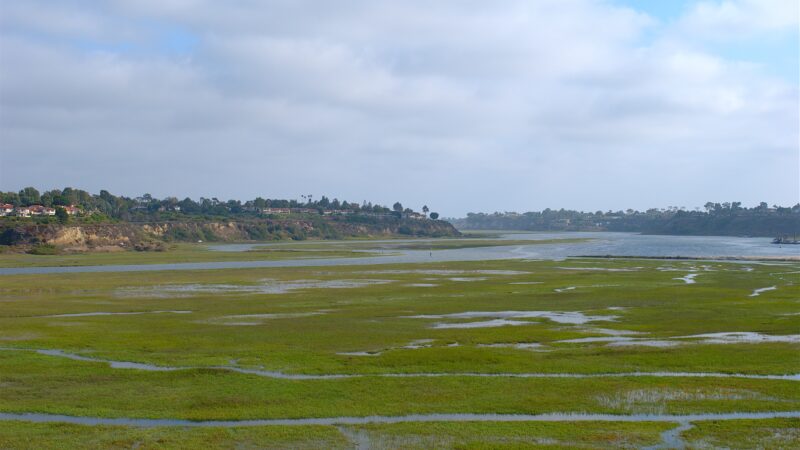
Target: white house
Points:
(39, 210)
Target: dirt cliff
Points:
(153, 236)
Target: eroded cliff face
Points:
(77, 237)
(152, 236)
(68, 236)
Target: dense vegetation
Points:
(107, 221)
(717, 219)
(104, 206)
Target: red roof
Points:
(39, 208)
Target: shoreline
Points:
(698, 258)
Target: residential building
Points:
(39, 210)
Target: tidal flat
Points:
(178, 253)
(372, 348)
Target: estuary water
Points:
(600, 244)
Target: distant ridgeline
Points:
(76, 218)
(727, 219)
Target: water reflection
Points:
(601, 244)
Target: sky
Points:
(464, 106)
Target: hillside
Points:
(727, 219)
(154, 235)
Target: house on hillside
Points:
(6, 209)
(22, 211)
(72, 210)
(375, 214)
(304, 211)
(275, 211)
(39, 210)
(336, 212)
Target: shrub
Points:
(44, 249)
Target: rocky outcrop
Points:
(153, 236)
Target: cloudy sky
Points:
(462, 105)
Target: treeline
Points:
(729, 219)
(148, 208)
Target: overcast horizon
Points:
(460, 105)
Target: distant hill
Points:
(726, 219)
(76, 219)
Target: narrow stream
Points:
(287, 376)
(351, 420)
(671, 439)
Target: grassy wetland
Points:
(193, 253)
(571, 345)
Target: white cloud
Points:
(741, 18)
(501, 105)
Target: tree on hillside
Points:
(425, 209)
(10, 197)
(29, 196)
(61, 215)
(434, 215)
(398, 207)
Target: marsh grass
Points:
(20, 435)
(294, 338)
(179, 253)
(48, 255)
(745, 434)
(585, 435)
